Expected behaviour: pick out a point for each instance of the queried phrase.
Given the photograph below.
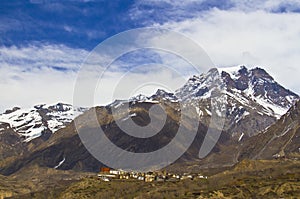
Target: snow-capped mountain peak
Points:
(162, 94)
(41, 120)
(155, 98)
(249, 93)
(200, 87)
(254, 86)
(235, 72)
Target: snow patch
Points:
(271, 108)
(199, 112)
(232, 71)
(246, 113)
(151, 101)
(129, 116)
(241, 137)
(289, 98)
(55, 125)
(60, 163)
(208, 112)
(33, 133)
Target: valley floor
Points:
(248, 179)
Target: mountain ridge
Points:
(246, 117)
(253, 89)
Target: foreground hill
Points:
(247, 179)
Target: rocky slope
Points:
(279, 140)
(10, 142)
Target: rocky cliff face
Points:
(10, 142)
(279, 140)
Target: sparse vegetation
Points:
(247, 179)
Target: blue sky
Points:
(75, 24)
(43, 42)
(83, 24)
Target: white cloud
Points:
(267, 5)
(119, 85)
(239, 35)
(48, 74)
(252, 32)
(178, 10)
(36, 56)
(68, 28)
(38, 74)
(269, 40)
(26, 89)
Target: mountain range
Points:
(261, 122)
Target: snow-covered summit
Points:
(257, 85)
(164, 95)
(254, 86)
(251, 88)
(234, 71)
(40, 120)
(200, 86)
(160, 94)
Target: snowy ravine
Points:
(33, 122)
